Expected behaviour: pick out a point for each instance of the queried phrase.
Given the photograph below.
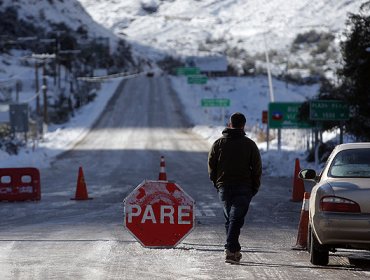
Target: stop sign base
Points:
(159, 214)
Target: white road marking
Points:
(204, 212)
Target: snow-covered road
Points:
(59, 238)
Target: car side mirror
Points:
(307, 174)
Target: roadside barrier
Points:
(303, 224)
(162, 172)
(100, 79)
(20, 184)
(81, 188)
(298, 184)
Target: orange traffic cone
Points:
(303, 224)
(162, 172)
(298, 184)
(81, 190)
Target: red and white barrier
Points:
(19, 184)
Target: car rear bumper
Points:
(343, 229)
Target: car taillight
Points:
(338, 204)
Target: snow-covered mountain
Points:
(157, 28)
(190, 27)
(47, 13)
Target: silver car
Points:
(339, 212)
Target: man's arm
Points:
(212, 164)
(256, 169)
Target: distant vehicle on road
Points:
(339, 212)
(150, 74)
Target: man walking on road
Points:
(235, 168)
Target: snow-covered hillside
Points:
(180, 27)
(45, 13)
(188, 27)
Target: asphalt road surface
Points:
(60, 238)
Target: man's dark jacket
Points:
(234, 160)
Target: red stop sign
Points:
(159, 213)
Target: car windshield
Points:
(351, 163)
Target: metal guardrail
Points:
(107, 77)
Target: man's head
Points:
(237, 120)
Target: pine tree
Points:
(355, 73)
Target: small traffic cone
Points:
(162, 172)
(298, 184)
(81, 189)
(303, 224)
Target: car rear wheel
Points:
(318, 253)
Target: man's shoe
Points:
(233, 258)
(238, 255)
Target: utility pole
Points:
(37, 88)
(271, 89)
(43, 57)
(44, 90)
(272, 98)
(55, 42)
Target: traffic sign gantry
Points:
(159, 214)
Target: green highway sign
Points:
(198, 79)
(328, 110)
(187, 71)
(285, 115)
(217, 102)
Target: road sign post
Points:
(285, 115)
(216, 102)
(159, 214)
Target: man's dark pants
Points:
(235, 201)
